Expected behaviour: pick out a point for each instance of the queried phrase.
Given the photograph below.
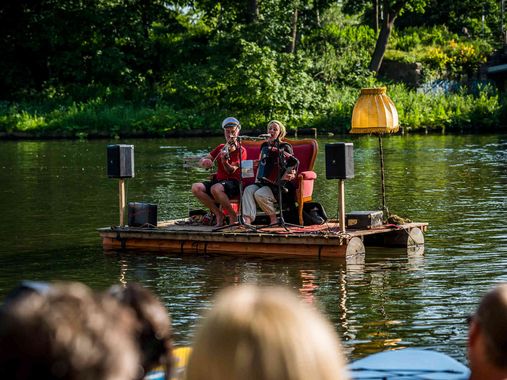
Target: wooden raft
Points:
(318, 241)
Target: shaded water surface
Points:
(54, 194)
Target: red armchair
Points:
(306, 152)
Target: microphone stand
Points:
(240, 221)
(280, 220)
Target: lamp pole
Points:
(382, 177)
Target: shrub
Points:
(443, 54)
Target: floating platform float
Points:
(319, 241)
(409, 363)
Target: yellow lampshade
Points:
(374, 112)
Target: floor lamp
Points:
(375, 113)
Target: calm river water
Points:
(54, 194)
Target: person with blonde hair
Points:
(487, 336)
(277, 167)
(255, 333)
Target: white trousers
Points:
(257, 195)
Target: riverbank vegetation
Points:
(121, 68)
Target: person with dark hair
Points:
(67, 332)
(225, 182)
(487, 336)
(24, 289)
(153, 327)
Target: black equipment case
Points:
(363, 219)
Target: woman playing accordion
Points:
(277, 168)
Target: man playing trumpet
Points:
(225, 182)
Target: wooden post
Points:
(121, 191)
(341, 204)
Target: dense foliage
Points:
(136, 67)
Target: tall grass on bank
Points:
(459, 111)
(418, 111)
(90, 119)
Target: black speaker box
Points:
(340, 160)
(142, 214)
(120, 161)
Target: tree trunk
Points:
(253, 11)
(381, 45)
(144, 7)
(317, 6)
(375, 15)
(291, 47)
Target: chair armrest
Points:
(305, 184)
(308, 175)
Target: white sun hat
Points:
(231, 122)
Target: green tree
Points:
(59, 43)
(278, 24)
(391, 9)
(457, 15)
(44, 41)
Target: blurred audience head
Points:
(487, 336)
(254, 333)
(153, 330)
(26, 288)
(66, 332)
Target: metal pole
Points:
(382, 178)
(341, 204)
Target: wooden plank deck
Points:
(318, 241)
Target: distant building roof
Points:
(497, 69)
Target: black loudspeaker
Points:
(340, 160)
(120, 161)
(142, 214)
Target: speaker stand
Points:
(341, 204)
(121, 192)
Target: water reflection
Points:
(415, 256)
(336, 286)
(53, 195)
(309, 285)
(355, 264)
